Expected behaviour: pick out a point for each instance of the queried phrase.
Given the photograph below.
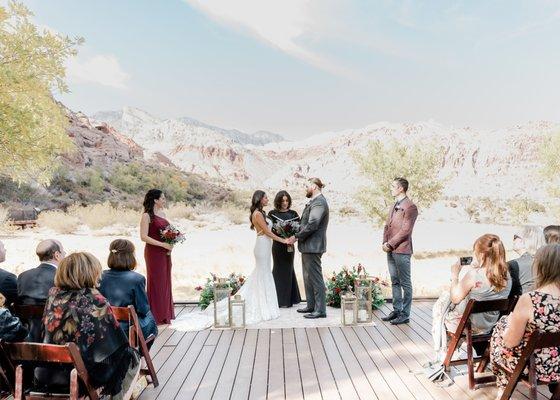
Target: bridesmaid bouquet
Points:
(287, 229)
(171, 235)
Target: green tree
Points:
(382, 162)
(32, 123)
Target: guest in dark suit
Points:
(124, 287)
(397, 243)
(8, 281)
(34, 284)
(312, 244)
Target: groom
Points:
(312, 243)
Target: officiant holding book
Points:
(283, 272)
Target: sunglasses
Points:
(517, 237)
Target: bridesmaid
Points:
(283, 270)
(158, 257)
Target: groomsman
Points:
(397, 243)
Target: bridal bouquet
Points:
(287, 229)
(171, 235)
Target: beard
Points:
(309, 194)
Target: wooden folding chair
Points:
(137, 340)
(464, 330)
(538, 340)
(19, 354)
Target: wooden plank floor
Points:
(364, 362)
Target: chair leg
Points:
(151, 370)
(484, 361)
(450, 351)
(532, 379)
(19, 383)
(74, 384)
(470, 362)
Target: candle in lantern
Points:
(362, 315)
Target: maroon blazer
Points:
(398, 228)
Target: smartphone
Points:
(465, 260)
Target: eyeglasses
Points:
(517, 237)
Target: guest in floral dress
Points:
(77, 312)
(536, 310)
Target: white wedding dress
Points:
(258, 291)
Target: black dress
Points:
(285, 280)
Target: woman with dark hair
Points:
(157, 254)
(258, 290)
(124, 287)
(283, 272)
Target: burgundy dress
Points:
(158, 267)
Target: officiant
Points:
(285, 280)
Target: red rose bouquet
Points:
(287, 229)
(171, 235)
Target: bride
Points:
(259, 291)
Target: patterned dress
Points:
(546, 317)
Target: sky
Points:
(302, 67)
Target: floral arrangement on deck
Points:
(343, 281)
(234, 281)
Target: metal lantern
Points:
(222, 304)
(364, 296)
(237, 312)
(348, 309)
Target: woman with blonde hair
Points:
(526, 242)
(537, 309)
(485, 278)
(76, 312)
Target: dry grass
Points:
(99, 216)
(180, 211)
(59, 221)
(423, 255)
(235, 215)
(5, 226)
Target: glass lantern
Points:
(222, 304)
(364, 297)
(238, 312)
(348, 309)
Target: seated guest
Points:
(34, 284)
(123, 287)
(8, 281)
(486, 278)
(538, 309)
(552, 234)
(11, 329)
(77, 312)
(526, 242)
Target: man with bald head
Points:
(34, 284)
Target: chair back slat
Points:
(490, 305)
(27, 312)
(548, 339)
(122, 314)
(40, 352)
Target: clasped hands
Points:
(291, 240)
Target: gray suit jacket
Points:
(34, 284)
(312, 235)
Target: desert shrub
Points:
(235, 214)
(347, 211)
(550, 162)
(99, 216)
(521, 209)
(92, 179)
(382, 162)
(180, 211)
(59, 221)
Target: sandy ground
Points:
(215, 245)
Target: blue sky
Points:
(300, 67)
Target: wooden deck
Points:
(370, 362)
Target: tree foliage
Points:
(32, 124)
(382, 162)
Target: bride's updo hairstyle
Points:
(256, 204)
(149, 201)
